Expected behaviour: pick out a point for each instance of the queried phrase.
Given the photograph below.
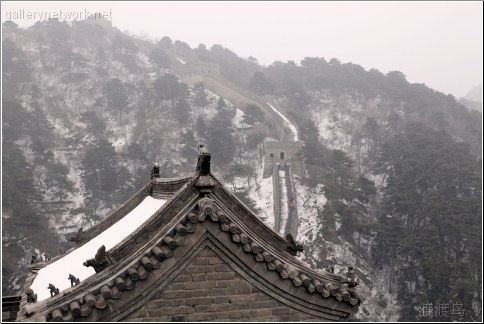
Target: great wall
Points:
(282, 159)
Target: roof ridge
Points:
(175, 237)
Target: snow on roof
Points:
(288, 123)
(57, 272)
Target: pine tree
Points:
(431, 206)
(220, 138)
(100, 169)
(253, 115)
(115, 92)
(201, 99)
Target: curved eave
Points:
(128, 253)
(120, 256)
(101, 226)
(173, 184)
(272, 240)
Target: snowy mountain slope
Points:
(87, 110)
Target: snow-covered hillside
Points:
(87, 110)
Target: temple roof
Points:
(58, 271)
(166, 224)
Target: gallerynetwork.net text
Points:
(23, 14)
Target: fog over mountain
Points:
(435, 43)
(390, 176)
(475, 94)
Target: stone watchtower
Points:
(283, 152)
(200, 68)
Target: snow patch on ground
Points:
(237, 121)
(333, 130)
(60, 129)
(284, 209)
(338, 224)
(378, 179)
(310, 203)
(119, 144)
(265, 201)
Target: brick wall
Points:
(209, 290)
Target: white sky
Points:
(436, 43)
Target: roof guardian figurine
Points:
(203, 165)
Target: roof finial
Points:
(292, 246)
(74, 281)
(99, 262)
(155, 171)
(352, 277)
(203, 165)
(31, 296)
(53, 290)
(78, 237)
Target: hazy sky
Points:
(436, 43)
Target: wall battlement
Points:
(199, 68)
(282, 152)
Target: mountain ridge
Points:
(82, 99)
